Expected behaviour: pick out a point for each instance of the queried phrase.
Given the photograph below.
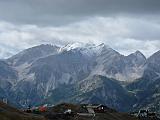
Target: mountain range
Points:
(81, 73)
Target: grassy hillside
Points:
(110, 114)
(9, 113)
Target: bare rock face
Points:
(6, 71)
(32, 54)
(112, 64)
(8, 76)
(147, 88)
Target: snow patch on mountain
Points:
(88, 49)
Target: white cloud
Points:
(123, 34)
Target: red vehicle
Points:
(42, 109)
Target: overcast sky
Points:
(124, 25)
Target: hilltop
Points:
(80, 112)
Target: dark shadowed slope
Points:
(9, 113)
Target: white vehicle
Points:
(68, 111)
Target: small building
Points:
(96, 108)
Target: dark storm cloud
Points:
(125, 25)
(66, 11)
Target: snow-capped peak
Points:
(85, 48)
(73, 46)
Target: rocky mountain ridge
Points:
(75, 73)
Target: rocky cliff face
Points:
(100, 89)
(6, 71)
(112, 64)
(8, 77)
(147, 88)
(32, 54)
